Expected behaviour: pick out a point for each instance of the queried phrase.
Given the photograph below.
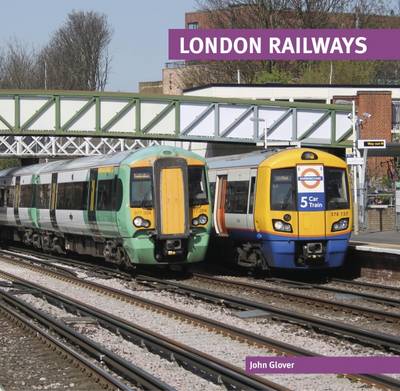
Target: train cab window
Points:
(141, 188)
(283, 189)
(236, 197)
(336, 189)
(26, 196)
(72, 195)
(105, 195)
(197, 186)
(43, 196)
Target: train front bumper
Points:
(141, 249)
(286, 253)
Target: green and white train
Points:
(149, 206)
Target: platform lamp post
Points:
(258, 120)
(355, 154)
(358, 172)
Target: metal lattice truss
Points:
(45, 146)
(84, 123)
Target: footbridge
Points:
(72, 123)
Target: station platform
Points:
(381, 242)
(375, 255)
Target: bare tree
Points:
(77, 55)
(366, 13)
(18, 67)
(316, 13)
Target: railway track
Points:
(76, 367)
(200, 363)
(360, 335)
(387, 295)
(252, 339)
(374, 318)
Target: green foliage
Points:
(343, 72)
(7, 163)
(276, 76)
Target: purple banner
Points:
(284, 44)
(317, 365)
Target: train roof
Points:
(251, 159)
(274, 156)
(66, 165)
(114, 159)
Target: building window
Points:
(193, 26)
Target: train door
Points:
(311, 200)
(219, 205)
(10, 192)
(106, 201)
(171, 197)
(237, 199)
(72, 195)
(16, 199)
(53, 201)
(92, 200)
(252, 199)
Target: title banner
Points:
(338, 365)
(283, 44)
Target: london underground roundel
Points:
(310, 188)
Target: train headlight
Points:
(308, 155)
(281, 226)
(140, 222)
(146, 224)
(200, 220)
(203, 219)
(340, 225)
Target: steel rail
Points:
(7, 303)
(367, 285)
(381, 381)
(393, 317)
(201, 363)
(31, 255)
(333, 327)
(376, 298)
(128, 371)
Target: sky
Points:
(139, 46)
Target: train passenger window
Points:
(336, 188)
(2, 199)
(43, 196)
(72, 196)
(283, 189)
(26, 196)
(251, 199)
(105, 194)
(141, 187)
(236, 197)
(9, 197)
(197, 186)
